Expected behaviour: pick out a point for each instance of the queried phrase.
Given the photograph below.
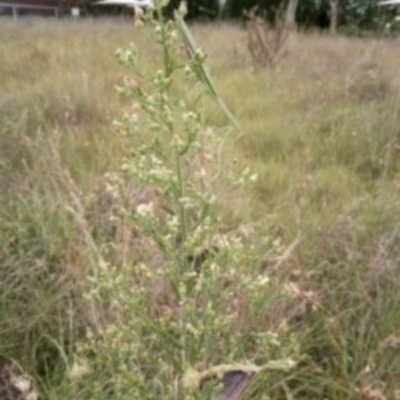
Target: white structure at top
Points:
(394, 3)
(128, 3)
(391, 3)
(141, 3)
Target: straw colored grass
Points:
(321, 129)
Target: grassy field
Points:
(322, 132)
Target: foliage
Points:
(236, 8)
(315, 13)
(356, 14)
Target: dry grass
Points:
(321, 130)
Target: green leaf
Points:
(204, 75)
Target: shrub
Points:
(265, 41)
(196, 297)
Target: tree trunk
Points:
(290, 19)
(221, 5)
(333, 15)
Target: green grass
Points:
(322, 131)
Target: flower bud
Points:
(183, 10)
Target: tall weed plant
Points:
(194, 303)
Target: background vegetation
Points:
(315, 13)
(353, 16)
(321, 130)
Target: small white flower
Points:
(32, 396)
(202, 172)
(182, 11)
(145, 209)
(78, 370)
(138, 12)
(253, 178)
(262, 280)
(21, 383)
